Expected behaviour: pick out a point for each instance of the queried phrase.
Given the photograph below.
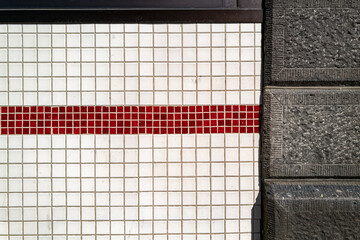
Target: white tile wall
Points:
(139, 186)
(130, 64)
(129, 186)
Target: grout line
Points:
(80, 142)
(210, 143)
(182, 139)
(124, 140)
(138, 137)
(152, 141)
(95, 140)
(37, 143)
(239, 137)
(66, 166)
(7, 139)
(225, 179)
(253, 137)
(22, 139)
(196, 140)
(51, 144)
(167, 135)
(109, 136)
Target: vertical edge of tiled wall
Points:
(310, 120)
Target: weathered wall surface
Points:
(311, 119)
(312, 43)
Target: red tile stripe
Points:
(129, 119)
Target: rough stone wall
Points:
(311, 119)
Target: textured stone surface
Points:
(318, 135)
(312, 42)
(311, 210)
(311, 133)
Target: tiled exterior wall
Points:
(174, 184)
(130, 64)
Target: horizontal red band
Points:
(129, 119)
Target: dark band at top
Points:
(130, 11)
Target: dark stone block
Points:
(312, 42)
(311, 210)
(311, 133)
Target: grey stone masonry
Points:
(312, 42)
(316, 209)
(310, 128)
(311, 132)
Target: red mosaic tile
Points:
(130, 119)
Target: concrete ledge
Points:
(312, 42)
(311, 132)
(299, 210)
